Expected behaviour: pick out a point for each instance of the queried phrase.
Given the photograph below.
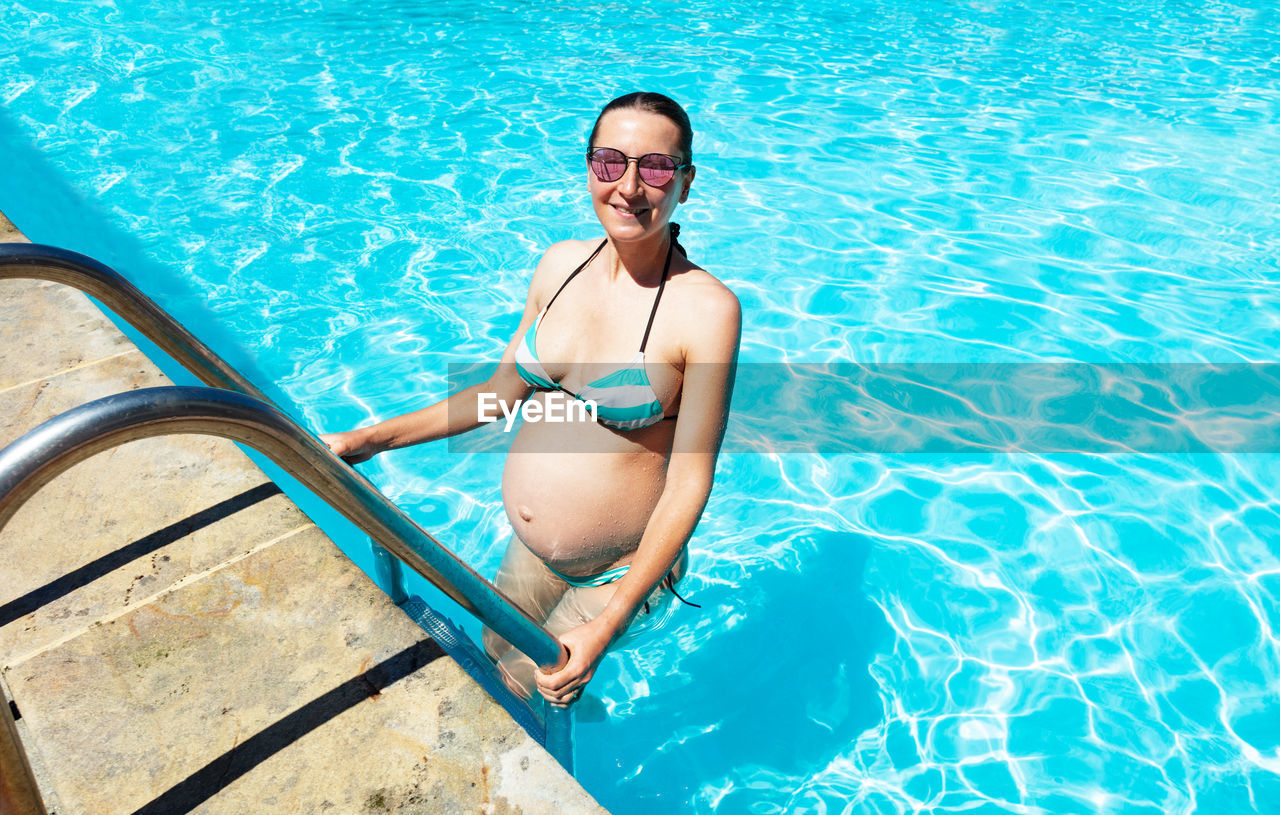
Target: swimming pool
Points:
(357, 197)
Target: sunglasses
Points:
(655, 169)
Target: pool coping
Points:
(107, 637)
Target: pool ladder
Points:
(233, 408)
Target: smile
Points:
(632, 211)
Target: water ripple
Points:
(347, 197)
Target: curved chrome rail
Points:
(35, 260)
(70, 438)
(63, 441)
(50, 449)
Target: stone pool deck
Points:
(177, 636)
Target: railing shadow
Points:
(222, 771)
(84, 575)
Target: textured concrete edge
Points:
(28, 744)
(10, 233)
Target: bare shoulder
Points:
(556, 263)
(703, 292)
(711, 315)
(567, 250)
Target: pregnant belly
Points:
(582, 513)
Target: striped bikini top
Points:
(625, 398)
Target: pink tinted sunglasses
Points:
(655, 169)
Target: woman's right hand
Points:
(351, 446)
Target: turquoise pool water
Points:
(345, 200)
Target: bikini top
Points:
(625, 398)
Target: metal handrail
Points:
(349, 492)
(33, 260)
(43, 453)
(36, 260)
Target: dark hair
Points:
(653, 103)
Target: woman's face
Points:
(629, 209)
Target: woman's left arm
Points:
(711, 354)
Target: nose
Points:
(629, 184)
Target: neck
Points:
(643, 261)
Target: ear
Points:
(688, 182)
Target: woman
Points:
(600, 533)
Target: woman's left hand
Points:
(587, 644)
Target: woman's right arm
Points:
(460, 411)
(448, 417)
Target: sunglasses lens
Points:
(607, 164)
(656, 169)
